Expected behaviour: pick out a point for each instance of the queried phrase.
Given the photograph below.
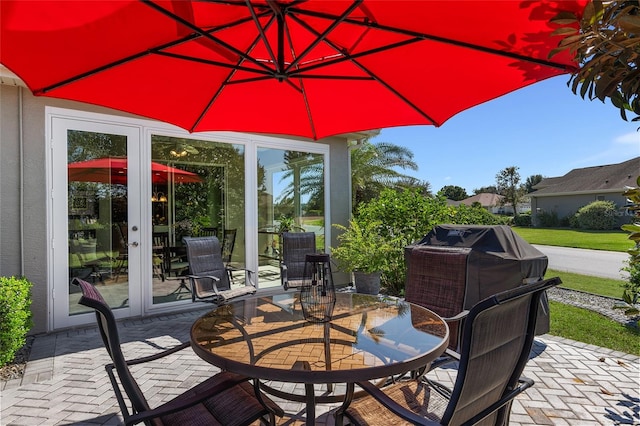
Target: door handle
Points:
(134, 244)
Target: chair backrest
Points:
(205, 258)
(209, 231)
(120, 240)
(228, 243)
(92, 298)
(160, 239)
(436, 279)
(496, 341)
(295, 247)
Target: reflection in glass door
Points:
(198, 189)
(290, 198)
(97, 214)
(94, 218)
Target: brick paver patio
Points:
(65, 382)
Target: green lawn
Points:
(576, 323)
(566, 237)
(590, 327)
(594, 285)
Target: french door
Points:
(95, 228)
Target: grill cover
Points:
(497, 260)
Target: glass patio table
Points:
(368, 337)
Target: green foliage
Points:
(597, 215)
(633, 195)
(631, 293)
(453, 192)
(507, 181)
(523, 219)
(531, 181)
(15, 315)
(491, 189)
(606, 44)
(405, 216)
(361, 248)
(548, 219)
(374, 166)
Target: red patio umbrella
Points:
(309, 68)
(114, 170)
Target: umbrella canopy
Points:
(308, 68)
(114, 170)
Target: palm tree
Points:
(374, 167)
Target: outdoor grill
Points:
(455, 266)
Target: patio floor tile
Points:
(65, 381)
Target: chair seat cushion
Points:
(413, 395)
(227, 294)
(237, 292)
(223, 408)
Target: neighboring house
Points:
(488, 201)
(58, 220)
(494, 203)
(565, 195)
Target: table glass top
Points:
(271, 332)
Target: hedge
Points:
(15, 316)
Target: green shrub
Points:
(361, 247)
(597, 215)
(548, 220)
(404, 217)
(15, 316)
(573, 221)
(523, 219)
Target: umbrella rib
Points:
(263, 36)
(337, 21)
(230, 75)
(113, 64)
(346, 56)
(302, 91)
(444, 40)
(381, 81)
(215, 63)
(205, 34)
(153, 50)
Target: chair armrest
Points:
(249, 272)
(379, 395)
(195, 293)
(195, 395)
(159, 354)
(457, 317)
(523, 384)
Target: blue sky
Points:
(543, 129)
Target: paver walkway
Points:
(65, 382)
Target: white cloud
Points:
(631, 138)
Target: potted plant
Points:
(363, 252)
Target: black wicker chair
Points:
(209, 277)
(225, 398)
(295, 247)
(496, 341)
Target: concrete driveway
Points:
(597, 263)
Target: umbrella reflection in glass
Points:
(114, 170)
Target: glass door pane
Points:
(198, 189)
(98, 215)
(95, 216)
(290, 198)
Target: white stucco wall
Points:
(23, 230)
